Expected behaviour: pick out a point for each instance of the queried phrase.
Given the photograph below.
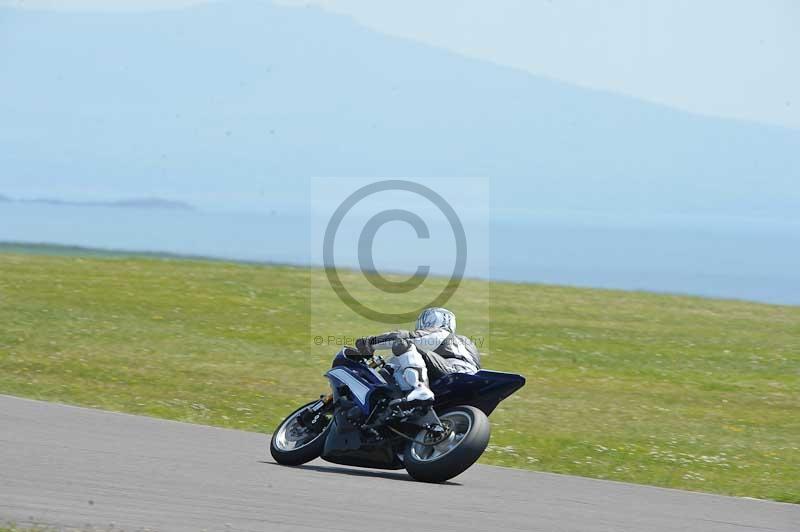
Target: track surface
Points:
(92, 470)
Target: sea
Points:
(747, 258)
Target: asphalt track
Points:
(77, 468)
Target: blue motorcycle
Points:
(367, 422)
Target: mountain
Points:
(152, 203)
(237, 104)
(134, 203)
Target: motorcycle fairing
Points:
(345, 445)
(359, 379)
(483, 390)
(347, 448)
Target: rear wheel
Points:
(296, 441)
(469, 433)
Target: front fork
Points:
(311, 414)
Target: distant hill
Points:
(152, 203)
(239, 103)
(137, 203)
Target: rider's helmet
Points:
(437, 318)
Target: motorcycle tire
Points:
(299, 455)
(453, 456)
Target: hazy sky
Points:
(723, 57)
(732, 58)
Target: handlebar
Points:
(370, 359)
(376, 362)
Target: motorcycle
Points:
(366, 420)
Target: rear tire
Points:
(458, 455)
(301, 454)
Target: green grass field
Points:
(673, 391)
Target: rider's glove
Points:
(364, 346)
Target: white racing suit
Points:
(417, 353)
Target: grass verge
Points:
(671, 391)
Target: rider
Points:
(433, 347)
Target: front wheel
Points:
(295, 442)
(468, 438)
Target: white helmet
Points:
(437, 318)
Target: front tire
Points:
(453, 456)
(293, 445)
